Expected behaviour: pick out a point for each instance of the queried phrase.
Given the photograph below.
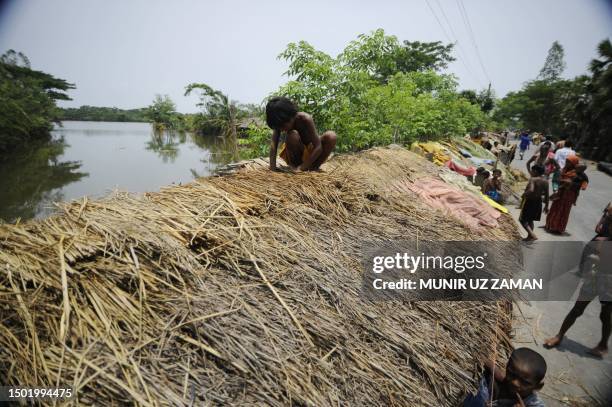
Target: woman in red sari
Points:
(572, 181)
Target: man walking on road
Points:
(523, 144)
(596, 268)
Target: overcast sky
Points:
(121, 53)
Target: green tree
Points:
(578, 109)
(382, 56)
(470, 95)
(12, 57)
(424, 56)
(27, 101)
(540, 103)
(103, 114)
(485, 99)
(588, 107)
(162, 112)
(554, 64)
(576, 103)
(368, 100)
(219, 112)
(375, 54)
(537, 106)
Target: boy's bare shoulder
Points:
(304, 116)
(541, 181)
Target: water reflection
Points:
(94, 158)
(166, 144)
(32, 178)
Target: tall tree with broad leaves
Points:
(378, 91)
(383, 56)
(422, 56)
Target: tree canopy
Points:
(382, 56)
(554, 64)
(103, 114)
(27, 101)
(219, 113)
(587, 114)
(162, 112)
(485, 99)
(378, 91)
(579, 109)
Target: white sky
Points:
(121, 53)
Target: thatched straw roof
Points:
(240, 289)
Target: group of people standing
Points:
(558, 165)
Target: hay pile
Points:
(240, 289)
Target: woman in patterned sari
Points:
(572, 181)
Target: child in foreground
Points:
(514, 387)
(304, 150)
(535, 192)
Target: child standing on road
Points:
(535, 192)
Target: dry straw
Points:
(242, 289)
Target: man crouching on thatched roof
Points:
(304, 150)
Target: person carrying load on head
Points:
(303, 150)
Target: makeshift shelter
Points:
(241, 289)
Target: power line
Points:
(446, 18)
(438, 20)
(462, 59)
(466, 22)
(460, 49)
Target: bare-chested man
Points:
(535, 193)
(304, 150)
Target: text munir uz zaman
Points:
(459, 264)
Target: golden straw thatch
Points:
(243, 289)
